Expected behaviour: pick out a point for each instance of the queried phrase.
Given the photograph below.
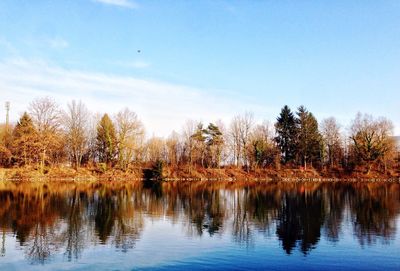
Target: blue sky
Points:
(204, 60)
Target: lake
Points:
(200, 225)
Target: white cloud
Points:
(163, 107)
(8, 47)
(120, 3)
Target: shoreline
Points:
(250, 180)
(229, 174)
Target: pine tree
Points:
(106, 140)
(287, 133)
(25, 141)
(309, 138)
(214, 141)
(199, 138)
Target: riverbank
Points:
(91, 174)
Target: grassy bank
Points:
(186, 173)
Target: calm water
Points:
(202, 225)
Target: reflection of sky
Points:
(165, 245)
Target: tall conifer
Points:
(309, 138)
(286, 134)
(106, 140)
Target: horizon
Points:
(170, 62)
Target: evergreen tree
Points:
(25, 141)
(286, 134)
(106, 140)
(308, 137)
(214, 141)
(199, 138)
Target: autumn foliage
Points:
(47, 137)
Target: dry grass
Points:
(184, 172)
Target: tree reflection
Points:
(334, 202)
(128, 222)
(67, 218)
(39, 246)
(75, 233)
(203, 208)
(241, 220)
(3, 244)
(375, 209)
(104, 216)
(300, 219)
(262, 206)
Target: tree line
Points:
(47, 136)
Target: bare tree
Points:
(372, 138)
(330, 130)
(239, 131)
(76, 125)
(174, 149)
(234, 140)
(46, 115)
(245, 131)
(156, 149)
(90, 155)
(224, 150)
(188, 141)
(130, 133)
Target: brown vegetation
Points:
(48, 142)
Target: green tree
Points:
(199, 138)
(286, 134)
(214, 141)
(262, 150)
(25, 141)
(106, 140)
(308, 137)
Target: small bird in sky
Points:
(138, 51)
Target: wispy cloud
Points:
(6, 46)
(162, 106)
(120, 3)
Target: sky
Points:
(170, 61)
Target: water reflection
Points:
(300, 218)
(66, 218)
